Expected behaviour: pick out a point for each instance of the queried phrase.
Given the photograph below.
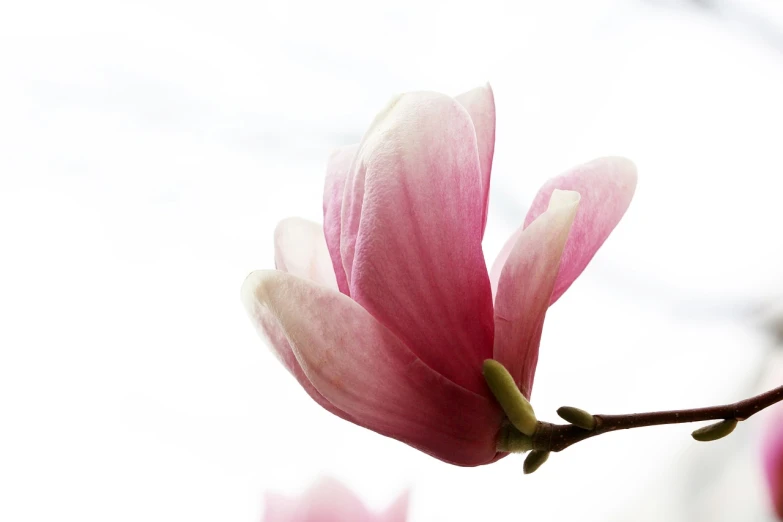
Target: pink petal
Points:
(361, 368)
(480, 104)
(329, 501)
(326, 501)
(773, 462)
(411, 234)
(336, 174)
(269, 329)
(526, 285)
(500, 261)
(607, 186)
(300, 249)
(278, 508)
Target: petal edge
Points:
(526, 285)
(361, 368)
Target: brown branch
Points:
(557, 437)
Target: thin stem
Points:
(557, 437)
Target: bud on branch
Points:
(548, 437)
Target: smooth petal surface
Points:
(412, 225)
(364, 370)
(525, 288)
(300, 249)
(336, 174)
(606, 186)
(500, 260)
(330, 501)
(773, 462)
(480, 104)
(326, 501)
(278, 508)
(269, 329)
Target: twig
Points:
(557, 437)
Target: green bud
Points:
(577, 417)
(715, 431)
(517, 408)
(534, 461)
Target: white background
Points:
(148, 150)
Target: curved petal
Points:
(411, 234)
(500, 260)
(326, 501)
(363, 369)
(300, 249)
(607, 186)
(269, 329)
(480, 104)
(336, 173)
(526, 285)
(278, 508)
(773, 462)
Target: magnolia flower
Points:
(329, 501)
(773, 461)
(386, 314)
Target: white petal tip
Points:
(561, 198)
(621, 165)
(253, 287)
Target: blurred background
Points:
(148, 149)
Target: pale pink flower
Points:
(772, 451)
(329, 501)
(387, 312)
